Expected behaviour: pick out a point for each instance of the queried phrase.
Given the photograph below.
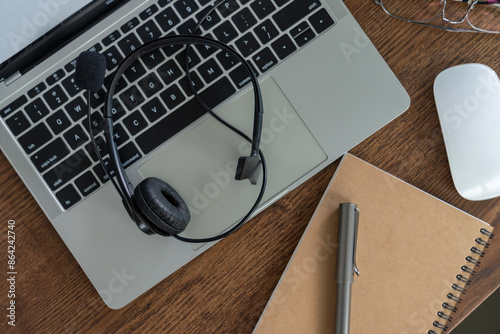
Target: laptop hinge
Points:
(13, 78)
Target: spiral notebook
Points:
(416, 255)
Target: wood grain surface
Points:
(226, 288)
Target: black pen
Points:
(346, 264)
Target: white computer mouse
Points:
(468, 103)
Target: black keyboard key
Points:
(225, 32)
(97, 98)
(210, 20)
(266, 31)
(321, 20)
(299, 29)
(120, 136)
(58, 122)
(113, 58)
(134, 72)
(294, 12)
(169, 126)
(117, 110)
(70, 85)
(227, 60)
(148, 12)
(37, 90)
(101, 174)
(262, 8)
(193, 58)
(36, 110)
(131, 24)
(167, 19)
(206, 50)
(18, 103)
(265, 60)
(129, 44)
(50, 155)
(209, 70)
(67, 170)
(101, 145)
(68, 196)
(186, 7)
(55, 97)
(218, 92)
(76, 109)
(163, 3)
(76, 137)
(129, 154)
(153, 109)
(150, 84)
(18, 123)
(244, 19)
(247, 45)
(135, 122)
(35, 138)
(240, 76)
(87, 183)
(111, 38)
(283, 46)
(132, 98)
(55, 77)
(227, 8)
(169, 72)
(96, 121)
(304, 37)
(153, 59)
(197, 83)
(148, 31)
(187, 28)
(281, 2)
(172, 97)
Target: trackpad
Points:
(201, 164)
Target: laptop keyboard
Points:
(153, 100)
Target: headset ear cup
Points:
(162, 206)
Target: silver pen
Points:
(346, 264)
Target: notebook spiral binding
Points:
(460, 287)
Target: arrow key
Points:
(283, 46)
(321, 20)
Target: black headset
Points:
(153, 204)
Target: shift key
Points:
(67, 170)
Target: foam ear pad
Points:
(162, 205)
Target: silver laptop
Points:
(325, 90)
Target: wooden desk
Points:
(226, 294)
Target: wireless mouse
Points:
(468, 104)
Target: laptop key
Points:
(18, 103)
(244, 19)
(266, 31)
(76, 137)
(247, 45)
(76, 109)
(148, 31)
(37, 90)
(113, 58)
(186, 7)
(133, 23)
(35, 138)
(148, 12)
(283, 46)
(50, 155)
(111, 38)
(58, 122)
(87, 183)
(321, 20)
(135, 122)
(262, 8)
(18, 123)
(36, 110)
(55, 77)
(209, 70)
(265, 60)
(294, 12)
(135, 71)
(172, 97)
(129, 44)
(68, 196)
(225, 32)
(67, 170)
(167, 19)
(55, 97)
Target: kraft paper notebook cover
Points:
(414, 252)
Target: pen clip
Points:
(356, 225)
